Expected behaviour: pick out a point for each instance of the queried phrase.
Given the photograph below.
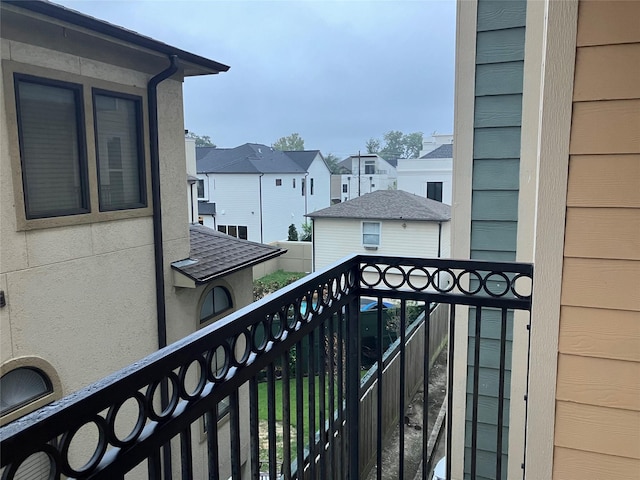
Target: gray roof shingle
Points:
(303, 158)
(388, 205)
(214, 254)
(443, 151)
(247, 158)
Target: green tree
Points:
(307, 232)
(201, 140)
(293, 233)
(332, 162)
(396, 145)
(291, 142)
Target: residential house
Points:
(547, 170)
(430, 175)
(257, 192)
(361, 174)
(92, 206)
(384, 222)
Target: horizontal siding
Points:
(610, 431)
(478, 254)
(612, 233)
(579, 465)
(493, 236)
(583, 332)
(499, 78)
(495, 143)
(604, 181)
(496, 174)
(606, 127)
(608, 22)
(488, 381)
(490, 353)
(497, 46)
(491, 323)
(597, 381)
(495, 205)
(498, 14)
(488, 409)
(607, 72)
(498, 111)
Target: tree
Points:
(332, 162)
(201, 140)
(307, 232)
(293, 233)
(396, 145)
(292, 142)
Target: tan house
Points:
(547, 170)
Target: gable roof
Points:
(214, 254)
(443, 151)
(388, 205)
(303, 158)
(191, 63)
(247, 158)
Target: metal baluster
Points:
(211, 425)
(299, 413)
(253, 428)
(234, 412)
(311, 380)
(426, 463)
(403, 334)
(322, 345)
(501, 386)
(379, 372)
(353, 387)
(186, 453)
(452, 324)
(271, 415)
(476, 385)
(286, 416)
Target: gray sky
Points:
(338, 73)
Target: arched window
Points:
(26, 384)
(215, 301)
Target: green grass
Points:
(281, 277)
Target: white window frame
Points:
(379, 233)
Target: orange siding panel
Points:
(578, 465)
(604, 181)
(600, 333)
(610, 431)
(599, 381)
(607, 22)
(613, 284)
(606, 127)
(603, 233)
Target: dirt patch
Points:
(413, 434)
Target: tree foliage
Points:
(332, 162)
(293, 233)
(290, 142)
(307, 232)
(201, 140)
(396, 145)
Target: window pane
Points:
(242, 232)
(51, 149)
(231, 230)
(371, 233)
(221, 299)
(119, 153)
(222, 228)
(206, 310)
(200, 188)
(22, 386)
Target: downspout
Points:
(439, 238)
(260, 188)
(313, 246)
(152, 99)
(306, 191)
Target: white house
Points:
(385, 222)
(255, 192)
(430, 175)
(361, 174)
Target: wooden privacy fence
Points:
(414, 372)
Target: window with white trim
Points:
(200, 188)
(238, 231)
(371, 234)
(434, 191)
(215, 301)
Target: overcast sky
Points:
(337, 73)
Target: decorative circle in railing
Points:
(343, 283)
(153, 397)
(446, 277)
(241, 348)
(521, 286)
(259, 335)
(418, 278)
(474, 280)
(334, 289)
(499, 287)
(119, 418)
(82, 448)
(43, 464)
(394, 277)
(276, 322)
(371, 275)
(218, 362)
(292, 317)
(192, 378)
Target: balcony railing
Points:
(288, 370)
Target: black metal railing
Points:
(287, 370)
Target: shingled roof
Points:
(214, 254)
(443, 151)
(304, 158)
(388, 205)
(247, 158)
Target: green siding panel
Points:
(496, 143)
(491, 323)
(499, 78)
(493, 236)
(499, 46)
(494, 205)
(497, 14)
(488, 410)
(485, 464)
(488, 382)
(493, 255)
(496, 174)
(487, 438)
(489, 353)
(498, 111)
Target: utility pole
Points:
(358, 172)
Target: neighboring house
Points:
(430, 175)
(255, 192)
(547, 170)
(361, 174)
(386, 222)
(92, 207)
